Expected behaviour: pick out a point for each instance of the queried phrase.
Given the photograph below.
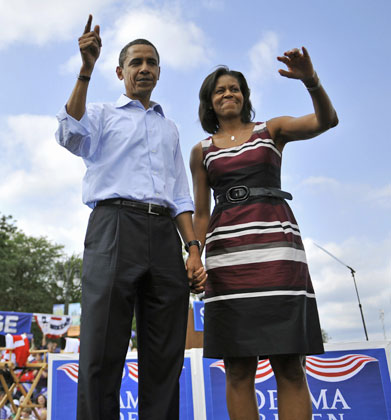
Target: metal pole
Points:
(355, 286)
(382, 323)
(359, 303)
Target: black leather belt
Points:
(146, 207)
(242, 193)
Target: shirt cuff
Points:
(74, 126)
(182, 205)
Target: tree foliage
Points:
(28, 270)
(68, 273)
(325, 336)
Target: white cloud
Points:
(72, 65)
(41, 181)
(41, 21)
(263, 57)
(181, 44)
(357, 192)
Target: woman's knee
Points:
(290, 368)
(239, 370)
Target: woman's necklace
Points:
(234, 137)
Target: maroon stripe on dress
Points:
(248, 213)
(279, 274)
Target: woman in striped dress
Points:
(259, 300)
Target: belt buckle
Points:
(150, 210)
(239, 193)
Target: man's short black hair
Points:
(139, 41)
(206, 113)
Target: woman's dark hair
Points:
(207, 116)
(43, 397)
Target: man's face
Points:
(140, 71)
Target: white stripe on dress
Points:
(263, 227)
(261, 294)
(222, 153)
(251, 232)
(255, 256)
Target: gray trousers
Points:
(132, 261)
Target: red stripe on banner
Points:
(329, 364)
(345, 372)
(71, 370)
(133, 370)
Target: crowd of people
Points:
(27, 412)
(26, 378)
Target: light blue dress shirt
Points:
(129, 152)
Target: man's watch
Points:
(192, 243)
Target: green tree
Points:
(325, 336)
(27, 270)
(68, 281)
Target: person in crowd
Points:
(5, 411)
(41, 401)
(26, 413)
(136, 185)
(259, 299)
(50, 345)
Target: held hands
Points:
(299, 65)
(90, 45)
(196, 273)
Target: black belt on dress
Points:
(146, 207)
(242, 193)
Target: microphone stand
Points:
(355, 285)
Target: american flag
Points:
(133, 370)
(72, 370)
(337, 369)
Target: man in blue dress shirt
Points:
(137, 186)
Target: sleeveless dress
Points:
(259, 299)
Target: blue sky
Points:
(340, 181)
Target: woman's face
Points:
(227, 98)
(41, 400)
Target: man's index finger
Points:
(88, 26)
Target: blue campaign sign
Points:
(15, 323)
(63, 389)
(198, 312)
(345, 385)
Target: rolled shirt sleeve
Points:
(79, 137)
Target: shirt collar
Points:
(124, 100)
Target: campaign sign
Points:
(15, 323)
(62, 393)
(344, 385)
(198, 312)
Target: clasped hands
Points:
(196, 274)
